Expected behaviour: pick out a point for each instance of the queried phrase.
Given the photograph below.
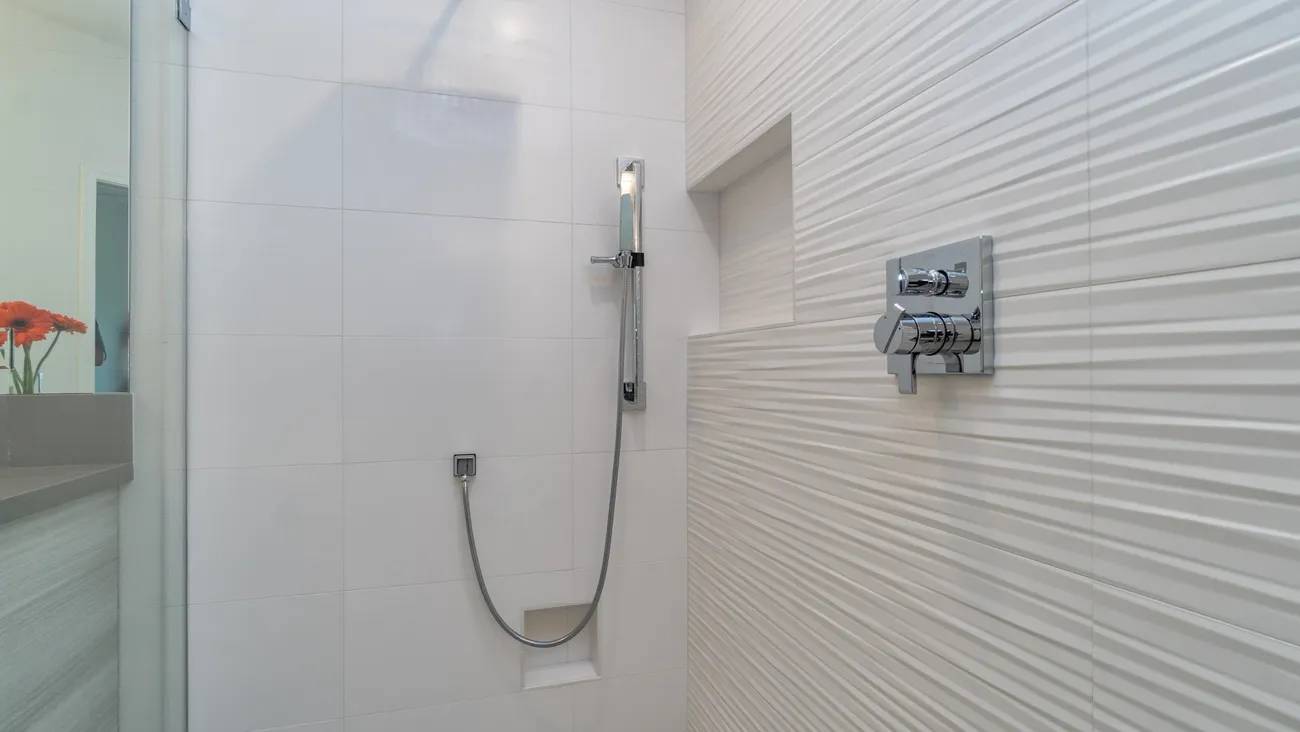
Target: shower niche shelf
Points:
(571, 663)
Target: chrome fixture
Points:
(631, 396)
(939, 312)
(631, 182)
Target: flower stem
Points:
(49, 350)
(29, 380)
(13, 365)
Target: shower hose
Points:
(609, 521)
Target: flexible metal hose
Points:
(609, 521)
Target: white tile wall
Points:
(424, 399)
(1100, 536)
(613, 70)
(445, 154)
(651, 511)
(681, 289)
(299, 38)
(263, 400)
(494, 49)
(264, 139)
(641, 703)
(245, 258)
(455, 277)
(392, 206)
(548, 710)
(258, 532)
(604, 138)
(402, 525)
(265, 663)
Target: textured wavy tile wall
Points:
(1105, 535)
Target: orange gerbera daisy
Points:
(65, 323)
(28, 323)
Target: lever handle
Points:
(605, 260)
(899, 332)
(889, 327)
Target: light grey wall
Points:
(1103, 535)
(59, 619)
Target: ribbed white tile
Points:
(1101, 535)
(1197, 388)
(997, 148)
(1159, 667)
(1195, 135)
(756, 247)
(881, 549)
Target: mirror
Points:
(65, 115)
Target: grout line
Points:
(432, 214)
(1092, 360)
(343, 450)
(559, 573)
(1086, 288)
(433, 460)
(629, 4)
(430, 92)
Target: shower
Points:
(631, 393)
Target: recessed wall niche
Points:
(756, 252)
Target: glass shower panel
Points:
(92, 364)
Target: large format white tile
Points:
(408, 398)
(499, 49)
(650, 523)
(545, 710)
(670, 6)
(642, 618)
(628, 60)
(281, 37)
(268, 270)
(424, 645)
(523, 514)
(261, 139)
(419, 275)
(653, 702)
(679, 284)
(333, 725)
(600, 139)
(265, 663)
(434, 153)
(259, 400)
(403, 524)
(258, 532)
(595, 388)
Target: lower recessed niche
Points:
(570, 663)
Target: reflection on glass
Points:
(65, 116)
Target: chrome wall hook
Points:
(939, 312)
